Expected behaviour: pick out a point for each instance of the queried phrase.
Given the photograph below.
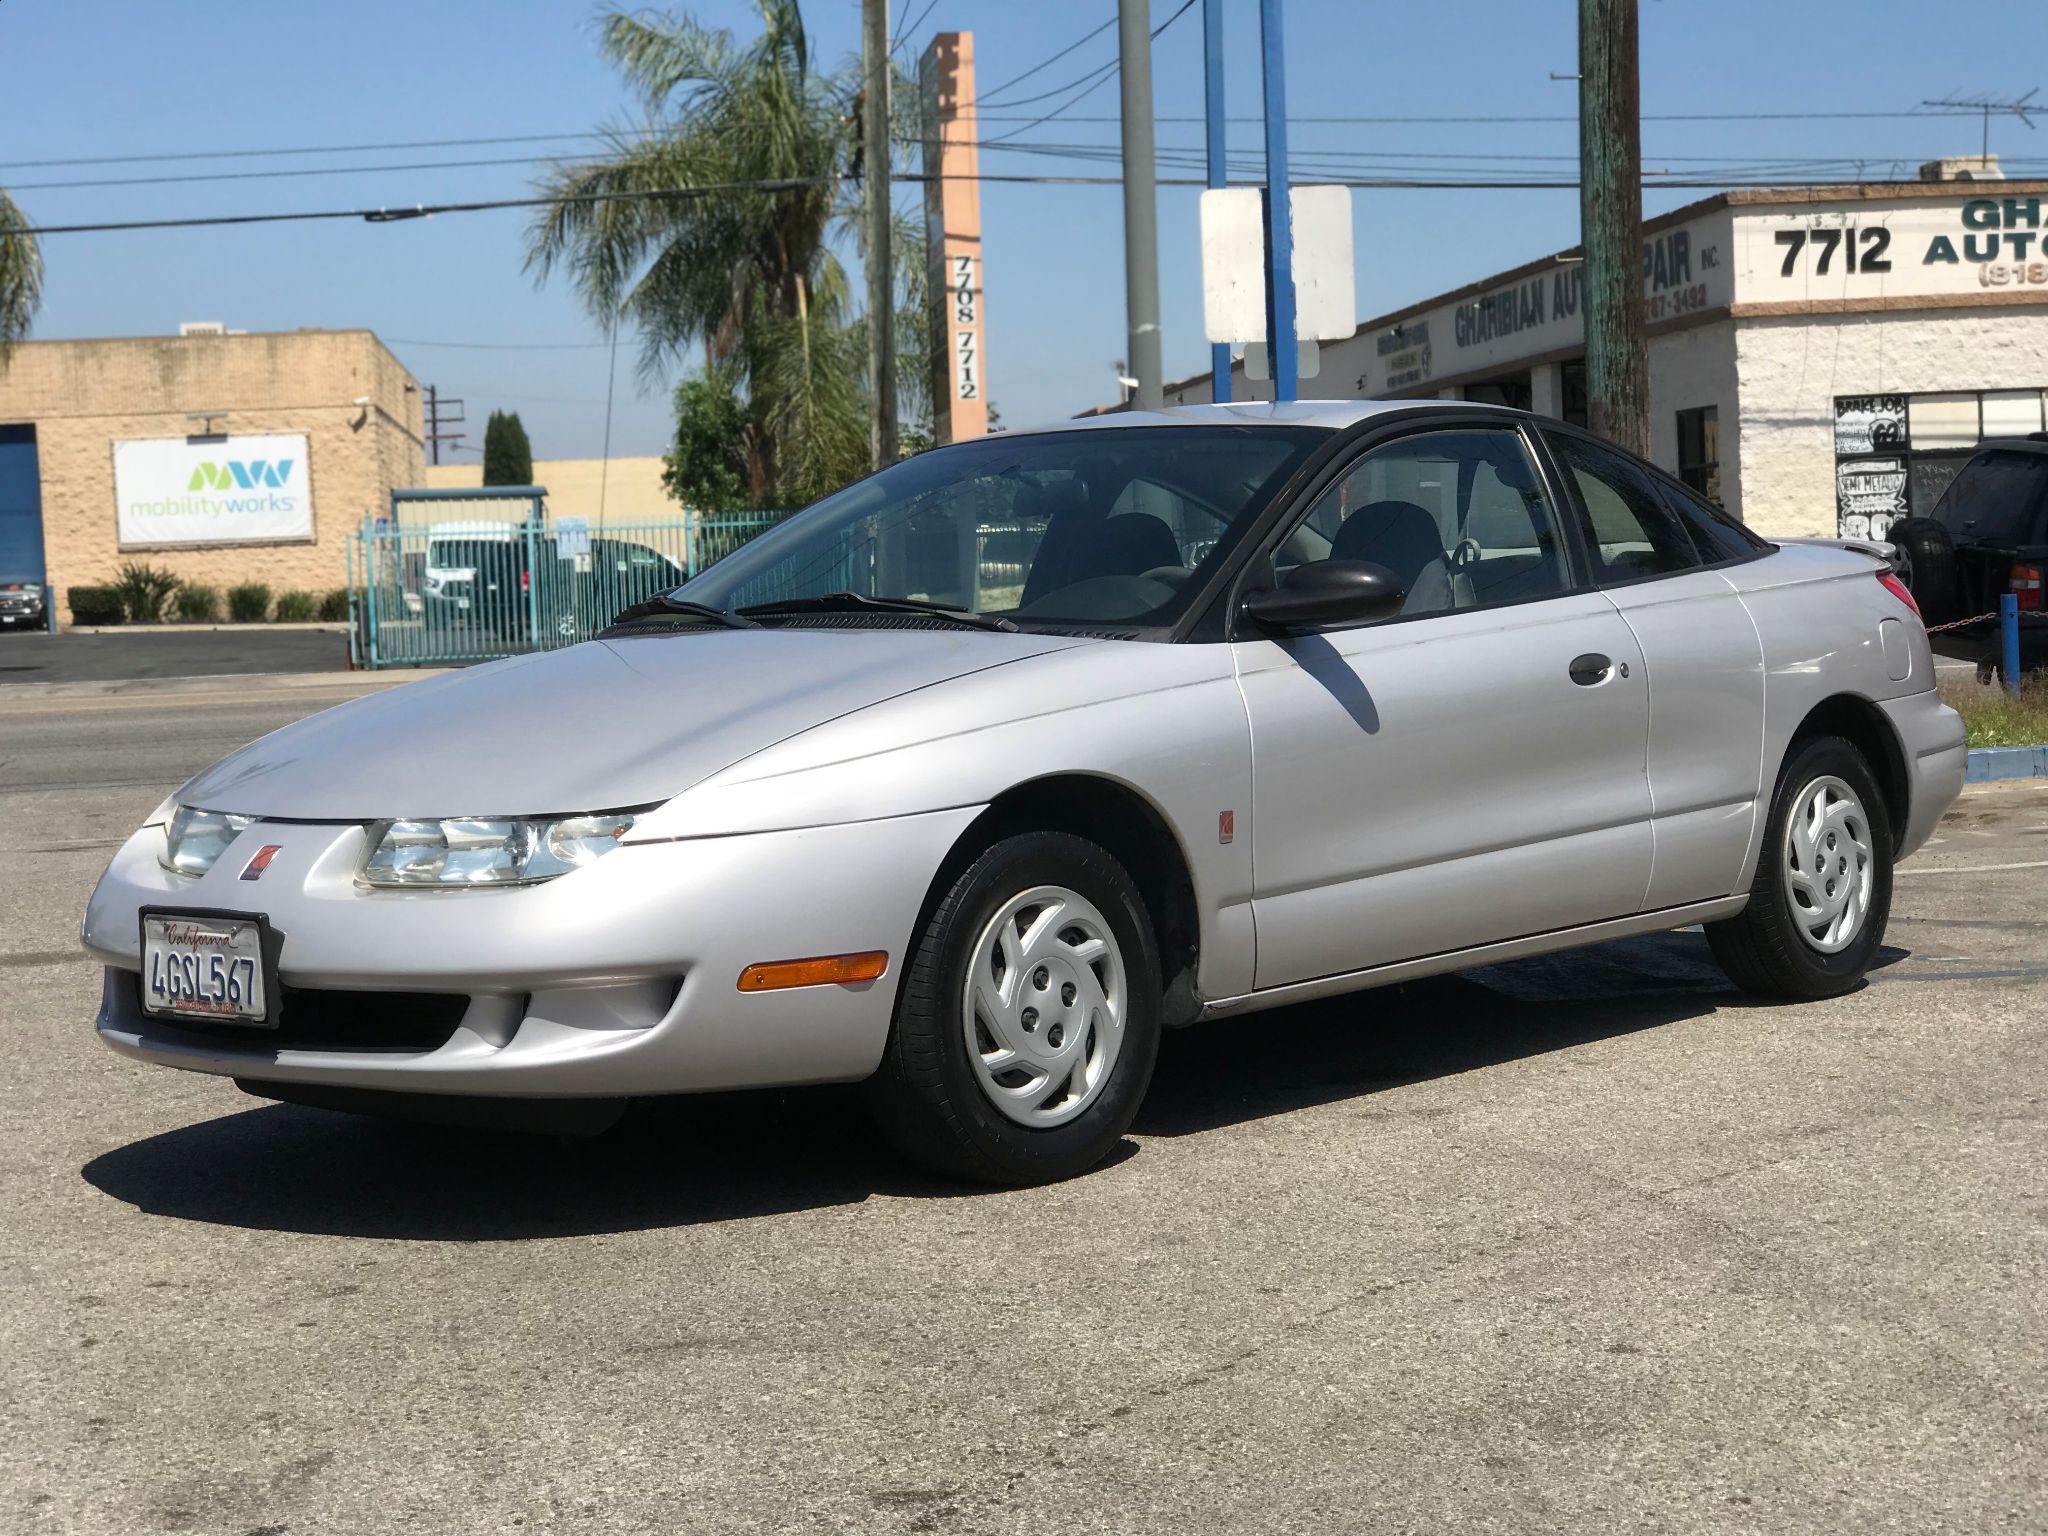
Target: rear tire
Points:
(1028, 1022)
(1823, 886)
(1930, 566)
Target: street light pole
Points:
(1611, 223)
(874, 133)
(1141, 210)
(1218, 144)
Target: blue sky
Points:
(127, 78)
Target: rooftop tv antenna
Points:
(2023, 108)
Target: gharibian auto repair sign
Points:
(213, 490)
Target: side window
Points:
(1460, 517)
(1719, 538)
(1634, 534)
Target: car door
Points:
(1703, 655)
(1470, 770)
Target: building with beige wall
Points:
(616, 492)
(1822, 360)
(222, 458)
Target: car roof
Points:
(1332, 414)
(2033, 442)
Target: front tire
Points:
(1028, 1022)
(1823, 886)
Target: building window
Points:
(1896, 454)
(1571, 389)
(1699, 451)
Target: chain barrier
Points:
(1992, 617)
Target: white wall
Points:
(1688, 369)
(1794, 366)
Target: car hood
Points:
(599, 726)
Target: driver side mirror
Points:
(1326, 592)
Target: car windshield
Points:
(1113, 526)
(1997, 496)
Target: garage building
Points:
(1822, 359)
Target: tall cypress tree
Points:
(508, 456)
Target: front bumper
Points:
(23, 616)
(618, 980)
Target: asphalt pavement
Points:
(73, 656)
(1585, 1244)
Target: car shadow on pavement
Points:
(723, 1157)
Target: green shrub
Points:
(296, 607)
(249, 603)
(334, 606)
(145, 591)
(95, 605)
(198, 603)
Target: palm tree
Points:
(21, 275)
(747, 274)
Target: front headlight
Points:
(195, 839)
(482, 850)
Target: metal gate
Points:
(455, 576)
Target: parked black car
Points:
(22, 604)
(495, 589)
(1987, 536)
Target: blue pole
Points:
(1279, 231)
(1219, 169)
(2009, 633)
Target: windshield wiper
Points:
(665, 606)
(856, 602)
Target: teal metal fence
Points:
(454, 576)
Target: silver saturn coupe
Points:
(967, 782)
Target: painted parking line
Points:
(1970, 869)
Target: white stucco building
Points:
(1822, 359)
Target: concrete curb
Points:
(340, 684)
(1989, 763)
(196, 629)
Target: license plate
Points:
(204, 968)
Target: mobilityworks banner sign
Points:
(213, 490)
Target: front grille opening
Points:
(321, 1019)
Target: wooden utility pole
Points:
(1611, 223)
(874, 134)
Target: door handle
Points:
(1590, 669)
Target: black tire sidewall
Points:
(1825, 757)
(995, 1146)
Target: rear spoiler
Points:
(1876, 549)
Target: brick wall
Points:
(85, 396)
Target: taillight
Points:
(525, 582)
(2026, 585)
(1898, 589)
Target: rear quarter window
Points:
(1719, 537)
(1999, 495)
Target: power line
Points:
(429, 210)
(993, 91)
(1103, 77)
(1310, 120)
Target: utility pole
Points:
(1611, 223)
(1141, 210)
(874, 132)
(441, 413)
(1217, 142)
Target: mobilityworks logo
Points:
(240, 474)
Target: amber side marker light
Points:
(823, 970)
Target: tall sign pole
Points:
(1219, 165)
(1280, 347)
(1141, 205)
(952, 225)
(874, 132)
(1611, 223)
